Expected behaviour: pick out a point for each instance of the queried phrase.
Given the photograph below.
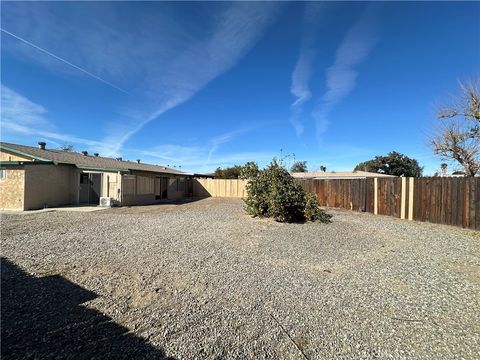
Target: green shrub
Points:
(272, 192)
(313, 212)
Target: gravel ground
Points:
(203, 280)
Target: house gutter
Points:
(27, 162)
(103, 169)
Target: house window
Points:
(3, 174)
(180, 184)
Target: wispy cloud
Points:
(17, 109)
(161, 69)
(302, 73)
(342, 75)
(19, 115)
(235, 31)
(300, 89)
(202, 155)
(193, 157)
(224, 138)
(174, 154)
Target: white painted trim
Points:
(410, 199)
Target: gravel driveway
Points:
(203, 280)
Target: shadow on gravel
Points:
(42, 318)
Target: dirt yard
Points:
(203, 280)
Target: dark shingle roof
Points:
(85, 161)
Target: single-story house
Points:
(323, 175)
(37, 177)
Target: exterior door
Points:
(95, 188)
(84, 189)
(161, 185)
(164, 183)
(158, 190)
(90, 188)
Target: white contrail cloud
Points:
(63, 60)
(342, 75)
(20, 115)
(304, 67)
(235, 31)
(300, 89)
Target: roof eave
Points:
(93, 168)
(18, 152)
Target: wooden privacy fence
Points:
(447, 200)
(219, 188)
(441, 200)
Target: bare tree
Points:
(458, 134)
(66, 147)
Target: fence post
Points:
(375, 196)
(404, 195)
(410, 198)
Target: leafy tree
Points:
(392, 164)
(299, 166)
(272, 192)
(323, 168)
(458, 135)
(249, 170)
(228, 173)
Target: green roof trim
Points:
(101, 169)
(26, 162)
(3, 147)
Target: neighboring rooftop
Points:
(338, 175)
(84, 160)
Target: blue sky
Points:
(207, 84)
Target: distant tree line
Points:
(232, 172)
(235, 172)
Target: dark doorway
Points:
(161, 185)
(90, 188)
